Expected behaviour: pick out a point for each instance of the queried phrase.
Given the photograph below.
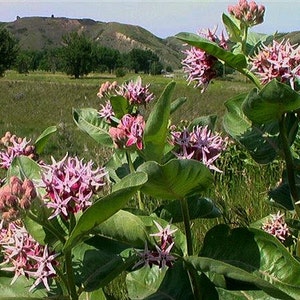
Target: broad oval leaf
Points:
(120, 106)
(104, 208)
(156, 128)
(176, 179)
(88, 120)
(236, 61)
(233, 30)
(260, 257)
(43, 139)
(156, 284)
(270, 103)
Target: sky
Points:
(161, 17)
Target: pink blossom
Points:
(200, 144)
(24, 256)
(106, 112)
(129, 132)
(70, 185)
(279, 61)
(200, 66)
(136, 93)
(107, 89)
(277, 227)
(13, 147)
(162, 256)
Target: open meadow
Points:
(31, 103)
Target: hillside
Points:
(36, 33)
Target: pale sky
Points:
(161, 17)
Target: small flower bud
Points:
(16, 186)
(29, 189)
(25, 202)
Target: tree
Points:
(141, 60)
(78, 54)
(8, 50)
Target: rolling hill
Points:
(37, 33)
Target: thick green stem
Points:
(290, 169)
(132, 170)
(187, 225)
(193, 275)
(70, 276)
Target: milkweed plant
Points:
(66, 230)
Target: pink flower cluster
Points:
(16, 197)
(200, 66)
(279, 61)
(161, 256)
(276, 226)
(129, 132)
(136, 93)
(249, 14)
(14, 146)
(24, 256)
(199, 144)
(70, 185)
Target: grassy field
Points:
(31, 103)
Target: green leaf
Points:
(104, 208)
(24, 167)
(271, 102)
(156, 128)
(156, 284)
(233, 30)
(88, 120)
(177, 104)
(236, 61)
(176, 179)
(120, 106)
(260, 140)
(260, 257)
(43, 139)
(95, 268)
(244, 295)
(95, 295)
(209, 121)
(20, 289)
(198, 208)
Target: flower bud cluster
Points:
(277, 227)
(70, 185)
(160, 257)
(24, 256)
(15, 198)
(201, 67)
(199, 144)
(107, 89)
(249, 14)
(14, 146)
(129, 132)
(279, 61)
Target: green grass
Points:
(31, 103)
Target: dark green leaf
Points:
(88, 120)
(156, 284)
(236, 61)
(198, 208)
(271, 102)
(244, 295)
(43, 139)
(176, 179)
(156, 128)
(104, 208)
(260, 257)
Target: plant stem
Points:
(290, 169)
(132, 170)
(70, 275)
(187, 227)
(193, 275)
